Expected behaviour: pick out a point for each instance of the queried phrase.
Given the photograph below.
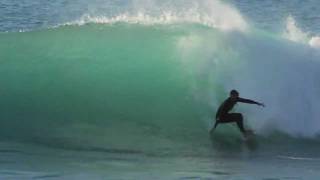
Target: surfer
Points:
(223, 115)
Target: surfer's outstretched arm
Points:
(249, 101)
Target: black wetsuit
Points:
(223, 115)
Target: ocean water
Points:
(129, 89)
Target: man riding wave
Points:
(223, 115)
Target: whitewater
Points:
(129, 90)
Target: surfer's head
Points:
(234, 93)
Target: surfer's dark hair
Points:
(234, 92)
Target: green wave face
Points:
(120, 85)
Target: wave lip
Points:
(165, 18)
(214, 14)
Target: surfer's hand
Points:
(261, 104)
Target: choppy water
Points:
(129, 89)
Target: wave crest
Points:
(214, 14)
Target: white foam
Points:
(214, 14)
(285, 77)
(281, 74)
(315, 42)
(299, 158)
(294, 33)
